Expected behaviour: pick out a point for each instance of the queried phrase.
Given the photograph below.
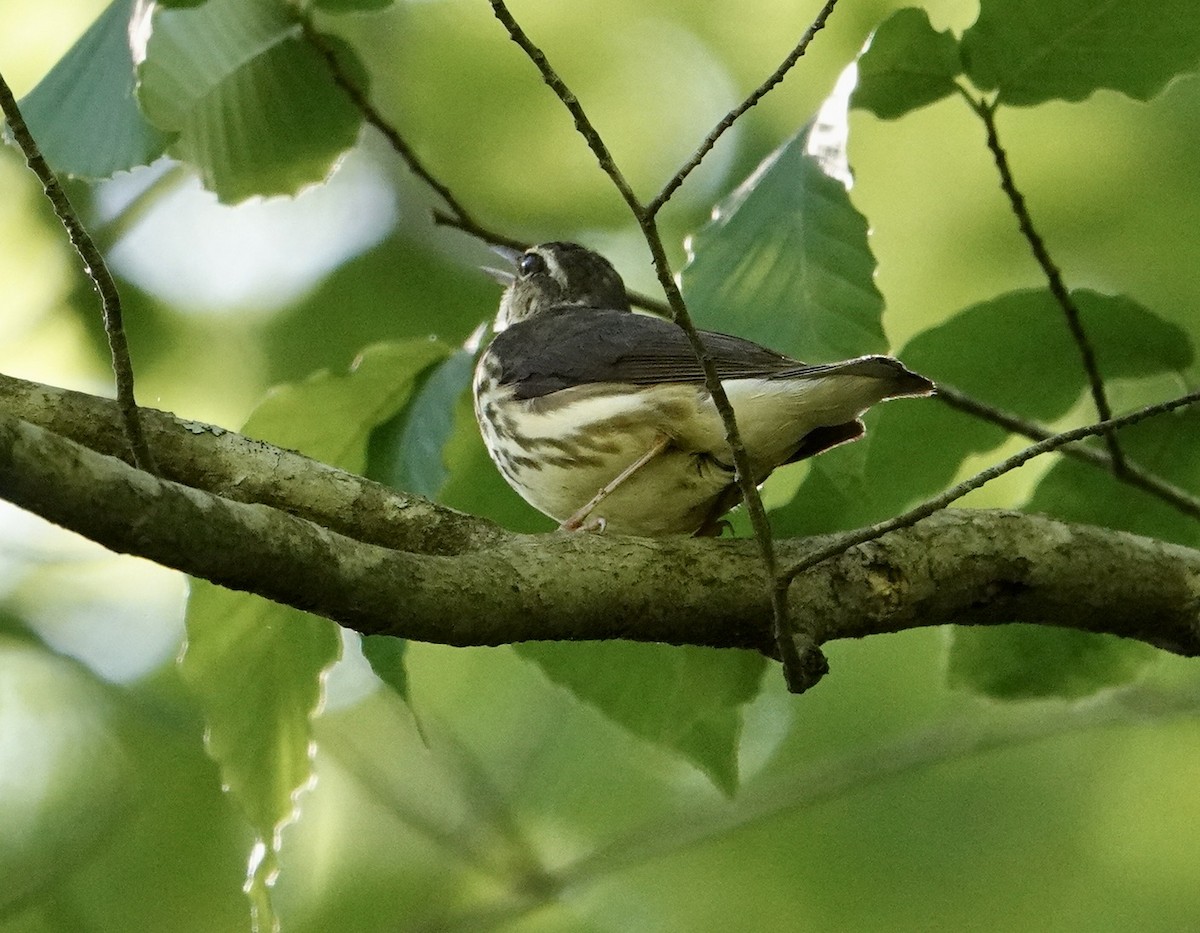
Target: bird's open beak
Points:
(511, 256)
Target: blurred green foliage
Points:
(614, 786)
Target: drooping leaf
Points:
(1032, 51)
(407, 451)
(255, 667)
(685, 699)
(1020, 662)
(1013, 352)
(386, 656)
(330, 416)
(83, 113)
(906, 65)
(785, 260)
(254, 104)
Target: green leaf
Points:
(253, 102)
(386, 655)
(684, 699)
(1013, 352)
(83, 114)
(1033, 51)
(1019, 662)
(407, 451)
(1039, 375)
(330, 416)
(255, 670)
(255, 667)
(1169, 447)
(906, 65)
(785, 260)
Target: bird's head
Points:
(556, 275)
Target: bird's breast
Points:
(559, 449)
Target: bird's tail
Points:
(899, 379)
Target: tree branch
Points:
(982, 478)
(456, 215)
(1058, 288)
(243, 469)
(97, 271)
(730, 118)
(956, 566)
(1131, 475)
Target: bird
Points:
(599, 416)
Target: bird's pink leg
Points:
(578, 521)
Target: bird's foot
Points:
(713, 528)
(583, 523)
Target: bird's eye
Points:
(531, 264)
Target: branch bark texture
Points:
(475, 584)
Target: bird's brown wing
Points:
(581, 346)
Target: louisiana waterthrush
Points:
(599, 416)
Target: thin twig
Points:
(480, 232)
(1132, 474)
(442, 219)
(987, 113)
(456, 216)
(360, 100)
(844, 542)
(571, 102)
(97, 271)
(798, 651)
(795, 658)
(730, 118)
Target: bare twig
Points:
(794, 658)
(1132, 474)
(471, 228)
(97, 271)
(360, 100)
(571, 102)
(730, 118)
(925, 509)
(637, 299)
(456, 215)
(987, 113)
